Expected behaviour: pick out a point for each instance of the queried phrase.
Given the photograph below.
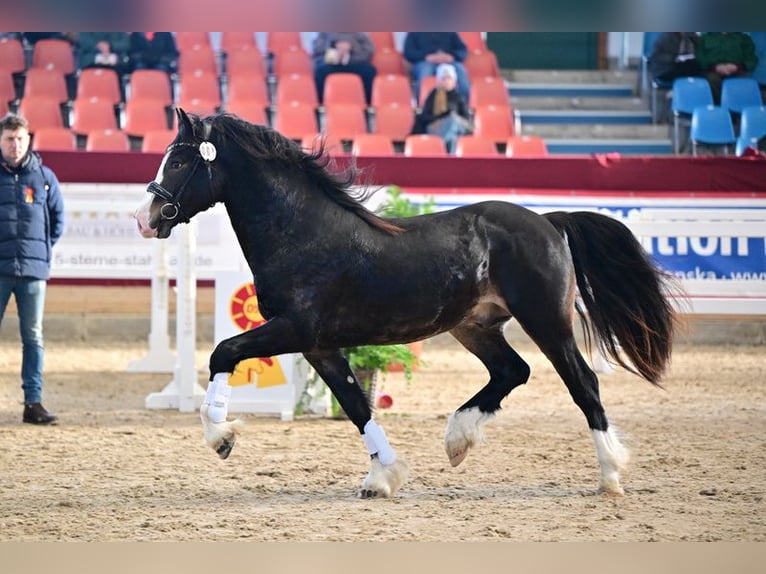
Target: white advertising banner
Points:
(101, 240)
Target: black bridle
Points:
(172, 208)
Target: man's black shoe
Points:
(36, 414)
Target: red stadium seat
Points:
(481, 64)
(394, 121)
(198, 58)
(383, 41)
(424, 144)
(389, 62)
(494, 123)
(488, 91)
(150, 84)
(100, 83)
(291, 61)
(372, 144)
(236, 41)
(91, 114)
(157, 140)
(278, 42)
(344, 121)
(54, 139)
(41, 112)
(344, 89)
(54, 54)
(47, 83)
(199, 85)
(391, 89)
(245, 61)
(296, 88)
(12, 57)
(189, 40)
(252, 110)
(107, 140)
(296, 120)
(143, 115)
(332, 145)
(474, 146)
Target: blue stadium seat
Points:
(711, 125)
(739, 93)
(688, 94)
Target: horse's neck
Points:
(265, 225)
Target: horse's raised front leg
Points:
(506, 370)
(274, 337)
(387, 471)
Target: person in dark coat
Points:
(426, 50)
(31, 222)
(673, 56)
(153, 51)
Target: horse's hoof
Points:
(365, 493)
(224, 449)
(611, 488)
(457, 456)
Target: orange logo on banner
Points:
(265, 372)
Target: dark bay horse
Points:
(331, 274)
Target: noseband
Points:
(172, 208)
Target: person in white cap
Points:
(445, 112)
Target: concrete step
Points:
(572, 90)
(610, 117)
(621, 146)
(597, 131)
(628, 77)
(576, 103)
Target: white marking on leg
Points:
(216, 429)
(612, 457)
(464, 430)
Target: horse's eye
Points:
(175, 164)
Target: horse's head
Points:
(184, 185)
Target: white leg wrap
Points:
(376, 442)
(217, 398)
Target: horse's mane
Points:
(264, 143)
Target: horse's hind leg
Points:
(555, 337)
(506, 369)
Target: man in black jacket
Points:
(31, 221)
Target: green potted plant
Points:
(370, 362)
(396, 205)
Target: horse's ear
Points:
(185, 128)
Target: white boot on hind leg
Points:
(464, 430)
(612, 457)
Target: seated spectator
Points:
(153, 51)
(445, 112)
(104, 50)
(673, 56)
(426, 50)
(343, 52)
(725, 55)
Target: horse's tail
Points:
(626, 295)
